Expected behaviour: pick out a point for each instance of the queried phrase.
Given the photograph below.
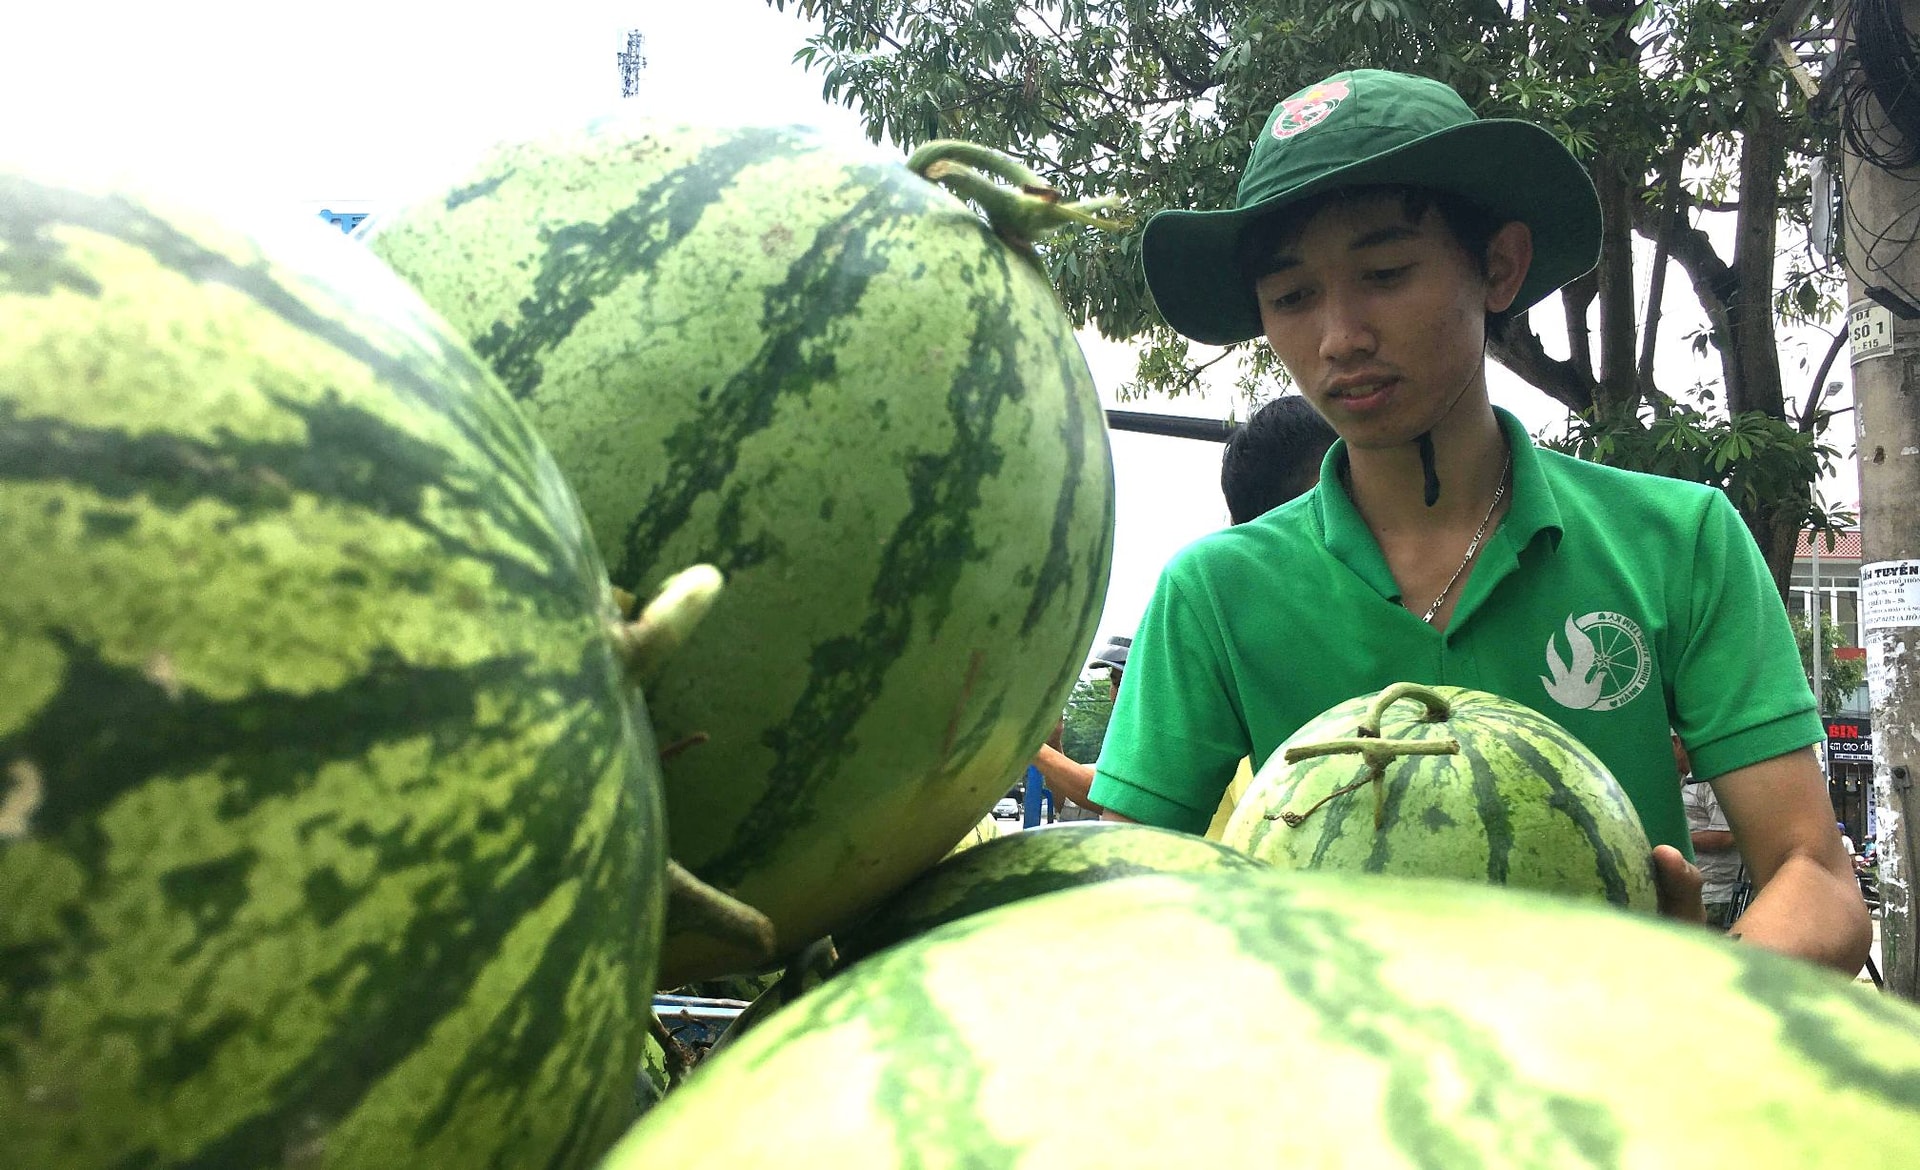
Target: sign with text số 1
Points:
(1869, 329)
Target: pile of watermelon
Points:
(641, 565)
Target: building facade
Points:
(1826, 579)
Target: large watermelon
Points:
(326, 836)
(1234, 1020)
(818, 371)
(1026, 865)
(1511, 798)
(980, 876)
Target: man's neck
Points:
(1388, 485)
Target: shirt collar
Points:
(1533, 510)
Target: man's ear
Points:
(1509, 255)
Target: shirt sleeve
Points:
(1740, 692)
(1176, 734)
(1716, 820)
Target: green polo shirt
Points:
(1617, 604)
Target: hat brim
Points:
(1516, 170)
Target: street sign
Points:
(1849, 740)
(1870, 329)
(1889, 595)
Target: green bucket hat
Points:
(1370, 127)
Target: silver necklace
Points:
(1499, 494)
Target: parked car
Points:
(1006, 806)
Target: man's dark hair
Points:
(1471, 225)
(1273, 457)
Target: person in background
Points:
(1714, 850)
(1381, 233)
(1272, 459)
(1065, 777)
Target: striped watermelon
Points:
(326, 836)
(1521, 802)
(1243, 1020)
(1026, 865)
(828, 377)
(986, 829)
(993, 873)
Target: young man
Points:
(1379, 225)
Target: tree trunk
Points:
(1617, 397)
(1751, 356)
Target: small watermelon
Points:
(818, 371)
(1443, 782)
(327, 837)
(1026, 865)
(1253, 1020)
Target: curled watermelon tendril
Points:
(807, 969)
(1367, 743)
(1028, 209)
(645, 643)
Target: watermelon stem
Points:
(1377, 754)
(683, 744)
(679, 1058)
(695, 907)
(645, 643)
(1028, 210)
(624, 602)
(985, 158)
(1438, 709)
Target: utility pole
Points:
(632, 59)
(1879, 99)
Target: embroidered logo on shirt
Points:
(1607, 663)
(1308, 108)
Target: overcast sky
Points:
(353, 105)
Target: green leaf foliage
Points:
(1085, 720)
(1843, 675)
(1669, 103)
(1754, 458)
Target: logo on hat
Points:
(1308, 108)
(1607, 663)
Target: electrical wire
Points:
(1880, 104)
(1880, 120)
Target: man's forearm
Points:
(1807, 901)
(1810, 911)
(1068, 779)
(1712, 840)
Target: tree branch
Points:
(1518, 348)
(1656, 289)
(1576, 297)
(1815, 391)
(1713, 278)
(1196, 87)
